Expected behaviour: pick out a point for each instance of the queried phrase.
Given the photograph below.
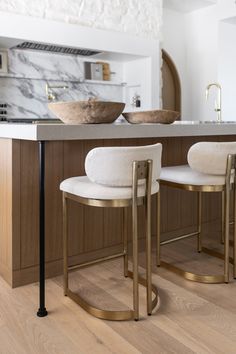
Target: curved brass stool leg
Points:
(223, 223)
(199, 236)
(210, 279)
(140, 170)
(158, 245)
(223, 232)
(207, 279)
(135, 257)
(226, 251)
(97, 312)
(149, 244)
(125, 231)
(111, 315)
(223, 217)
(65, 246)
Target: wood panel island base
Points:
(93, 232)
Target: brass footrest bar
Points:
(207, 279)
(122, 315)
(216, 254)
(178, 238)
(96, 261)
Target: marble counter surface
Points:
(121, 130)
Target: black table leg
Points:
(42, 312)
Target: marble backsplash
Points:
(23, 87)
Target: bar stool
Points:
(117, 177)
(211, 168)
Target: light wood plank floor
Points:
(192, 317)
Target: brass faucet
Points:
(49, 91)
(218, 102)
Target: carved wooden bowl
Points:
(155, 116)
(87, 112)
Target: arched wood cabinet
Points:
(171, 89)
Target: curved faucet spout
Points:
(218, 103)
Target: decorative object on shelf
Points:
(106, 70)
(155, 116)
(93, 71)
(87, 112)
(3, 61)
(136, 101)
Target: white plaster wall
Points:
(202, 62)
(174, 42)
(203, 47)
(227, 69)
(196, 52)
(137, 17)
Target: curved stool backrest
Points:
(211, 157)
(113, 166)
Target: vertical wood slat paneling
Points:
(141, 210)
(6, 208)
(16, 195)
(91, 229)
(93, 217)
(73, 156)
(129, 142)
(174, 196)
(29, 203)
(53, 210)
(113, 217)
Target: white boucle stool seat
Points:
(83, 187)
(186, 175)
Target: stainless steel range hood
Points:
(55, 49)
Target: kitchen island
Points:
(93, 232)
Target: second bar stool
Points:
(117, 177)
(211, 169)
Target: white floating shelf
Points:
(103, 82)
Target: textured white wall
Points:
(197, 48)
(226, 69)
(137, 17)
(175, 45)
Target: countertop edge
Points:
(53, 132)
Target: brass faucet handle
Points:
(49, 91)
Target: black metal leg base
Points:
(42, 312)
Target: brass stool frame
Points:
(225, 190)
(141, 170)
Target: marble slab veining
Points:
(23, 88)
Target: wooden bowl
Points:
(87, 112)
(155, 116)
